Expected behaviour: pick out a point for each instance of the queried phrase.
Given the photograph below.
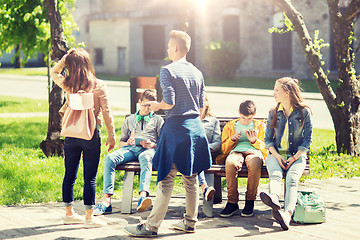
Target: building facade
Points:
(129, 37)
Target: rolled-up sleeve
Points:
(56, 76)
(106, 111)
(307, 131)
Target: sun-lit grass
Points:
(27, 176)
(17, 105)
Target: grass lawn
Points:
(18, 104)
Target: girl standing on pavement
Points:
(288, 138)
(81, 76)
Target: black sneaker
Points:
(248, 210)
(229, 210)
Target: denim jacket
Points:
(299, 136)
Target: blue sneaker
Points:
(143, 204)
(101, 209)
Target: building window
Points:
(281, 51)
(99, 56)
(154, 43)
(231, 28)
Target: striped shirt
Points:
(183, 86)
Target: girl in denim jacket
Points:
(288, 138)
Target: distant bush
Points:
(223, 58)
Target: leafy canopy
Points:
(25, 23)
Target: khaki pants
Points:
(163, 196)
(233, 164)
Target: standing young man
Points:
(182, 144)
(242, 141)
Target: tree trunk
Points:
(347, 119)
(17, 60)
(344, 104)
(53, 145)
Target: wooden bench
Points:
(213, 177)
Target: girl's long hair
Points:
(208, 111)
(290, 85)
(81, 73)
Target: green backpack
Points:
(310, 208)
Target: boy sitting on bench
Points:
(139, 135)
(242, 140)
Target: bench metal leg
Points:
(208, 205)
(127, 192)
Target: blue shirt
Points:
(183, 86)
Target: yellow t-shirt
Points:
(284, 144)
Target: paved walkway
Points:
(342, 197)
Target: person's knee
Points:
(108, 160)
(231, 162)
(292, 179)
(145, 159)
(254, 163)
(276, 175)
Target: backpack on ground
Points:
(310, 208)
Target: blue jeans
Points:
(201, 177)
(292, 178)
(124, 155)
(73, 147)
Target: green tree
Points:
(223, 58)
(25, 27)
(33, 26)
(343, 102)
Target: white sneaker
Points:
(283, 218)
(73, 219)
(94, 223)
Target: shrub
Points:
(223, 58)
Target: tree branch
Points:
(299, 25)
(352, 10)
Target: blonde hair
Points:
(182, 40)
(291, 86)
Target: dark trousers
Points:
(73, 147)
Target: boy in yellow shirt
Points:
(242, 141)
